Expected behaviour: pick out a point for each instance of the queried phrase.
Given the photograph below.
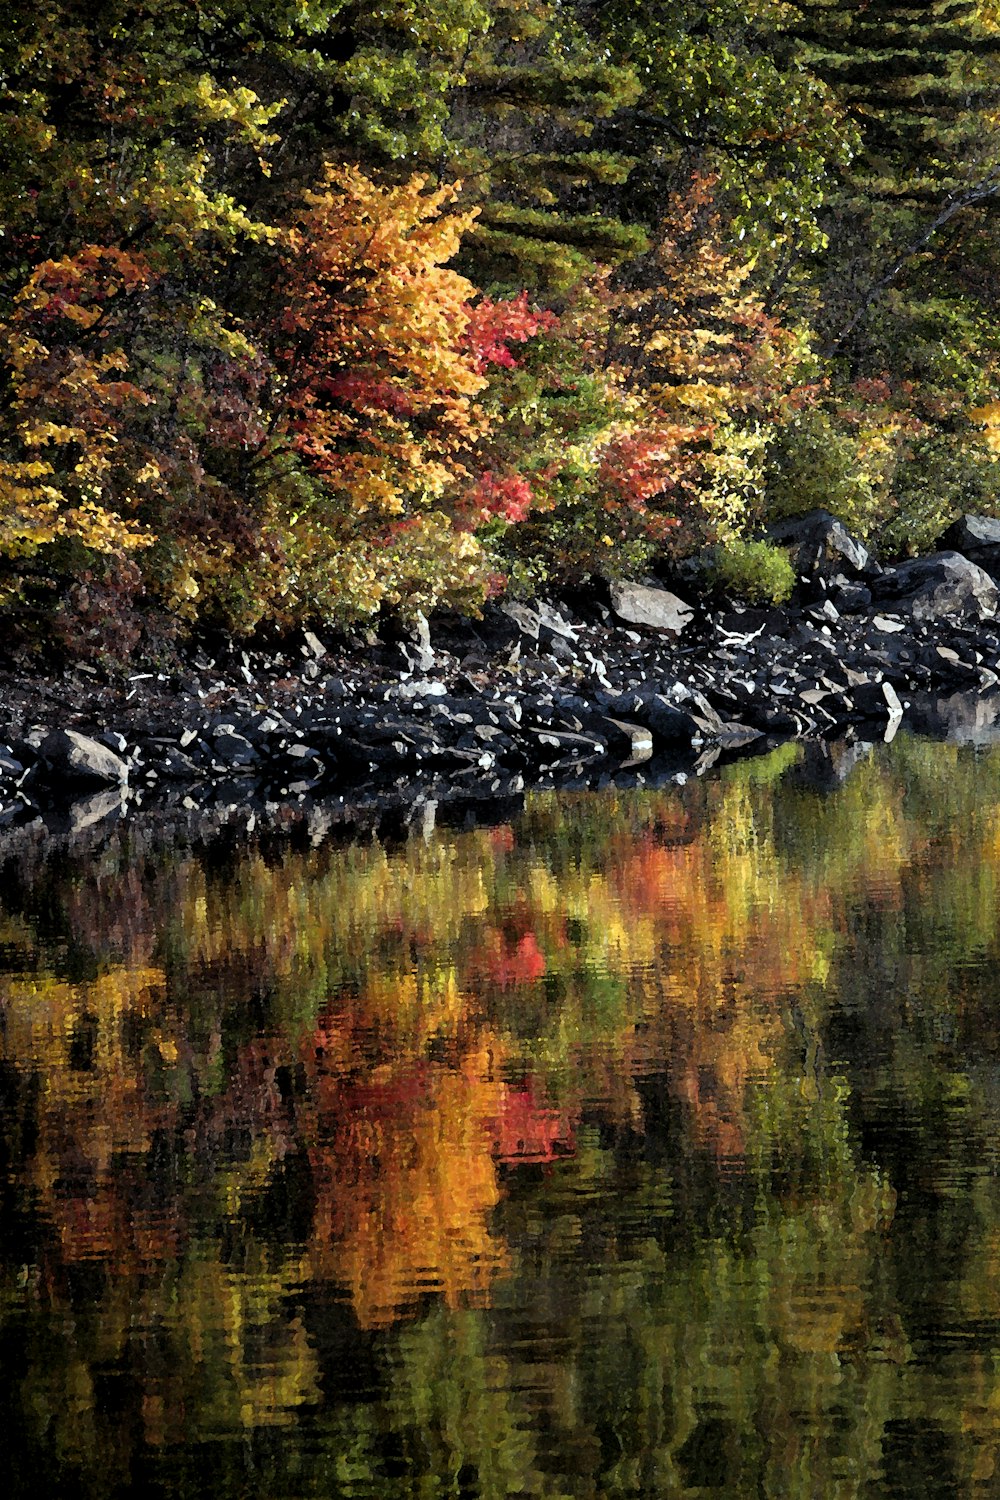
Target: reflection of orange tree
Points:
(403, 1169)
(664, 955)
(395, 1033)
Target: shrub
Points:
(756, 571)
(814, 464)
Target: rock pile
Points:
(534, 691)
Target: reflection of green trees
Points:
(647, 1146)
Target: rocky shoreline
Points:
(642, 685)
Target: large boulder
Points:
(976, 537)
(945, 586)
(675, 720)
(650, 608)
(820, 545)
(75, 757)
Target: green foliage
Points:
(942, 479)
(815, 463)
(753, 570)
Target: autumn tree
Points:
(378, 409)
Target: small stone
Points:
(632, 743)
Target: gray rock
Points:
(176, 766)
(696, 703)
(850, 598)
(312, 645)
(976, 537)
(233, 748)
(945, 586)
(555, 645)
(421, 687)
(550, 619)
(651, 608)
(820, 544)
(75, 757)
(416, 648)
(775, 720)
(527, 620)
(887, 625)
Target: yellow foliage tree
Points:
(67, 465)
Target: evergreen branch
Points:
(954, 204)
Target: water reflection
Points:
(645, 1146)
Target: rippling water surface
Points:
(646, 1145)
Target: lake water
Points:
(646, 1145)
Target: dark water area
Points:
(645, 1146)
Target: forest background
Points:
(312, 309)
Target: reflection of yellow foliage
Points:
(94, 1093)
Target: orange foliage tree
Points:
(379, 389)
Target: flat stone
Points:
(421, 687)
(651, 608)
(887, 626)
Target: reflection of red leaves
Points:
(527, 1130)
(507, 963)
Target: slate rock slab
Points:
(820, 544)
(75, 757)
(976, 537)
(945, 586)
